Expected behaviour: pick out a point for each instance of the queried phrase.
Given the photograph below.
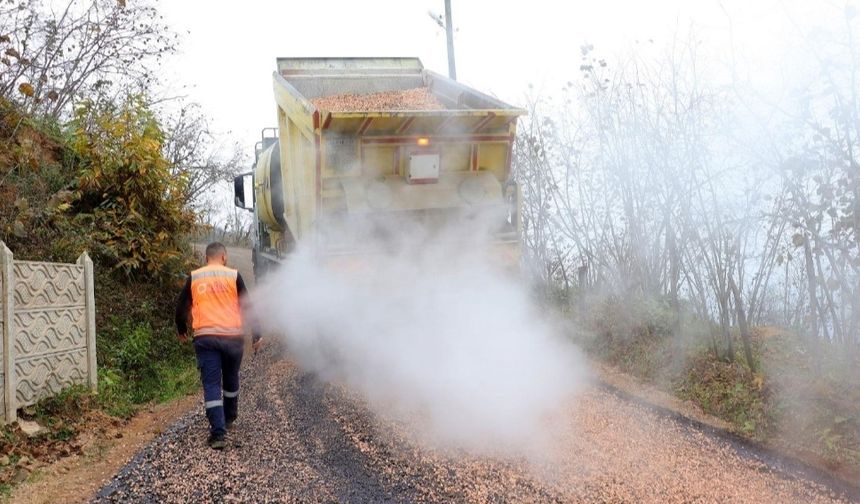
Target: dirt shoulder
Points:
(813, 467)
(102, 453)
(652, 395)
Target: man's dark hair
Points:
(214, 249)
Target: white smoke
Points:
(428, 327)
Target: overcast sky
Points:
(228, 49)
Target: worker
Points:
(214, 294)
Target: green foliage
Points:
(622, 318)
(637, 334)
(788, 400)
(132, 352)
(76, 398)
(127, 198)
(54, 412)
(818, 405)
(142, 364)
(101, 184)
(140, 358)
(34, 187)
(729, 390)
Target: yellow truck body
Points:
(325, 168)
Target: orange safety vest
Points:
(215, 307)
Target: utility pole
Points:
(449, 31)
(448, 25)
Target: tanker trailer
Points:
(364, 144)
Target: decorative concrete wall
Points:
(47, 322)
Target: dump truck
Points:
(364, 143)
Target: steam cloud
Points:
(429, 326)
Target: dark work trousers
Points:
(218, 359)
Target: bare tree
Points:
(89, 48)
(195, 153)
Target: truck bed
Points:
(315, 78)
(409, 99)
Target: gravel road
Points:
(301, 440)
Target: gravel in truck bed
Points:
(409, 99)
(299, 439)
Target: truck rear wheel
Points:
(256, 260)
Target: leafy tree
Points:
(127, 197)
(54, 55)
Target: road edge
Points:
(78, 478)
(626, 388)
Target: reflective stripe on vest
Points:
(215, 302)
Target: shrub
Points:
(102, 184)
(127, 198)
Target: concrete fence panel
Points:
(48, 329)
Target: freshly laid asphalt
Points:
(299, 439)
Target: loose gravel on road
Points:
(301, 440)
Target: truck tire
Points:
(258, 267)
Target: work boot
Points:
(230, 424)
(217, 442)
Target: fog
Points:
(428, 326)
